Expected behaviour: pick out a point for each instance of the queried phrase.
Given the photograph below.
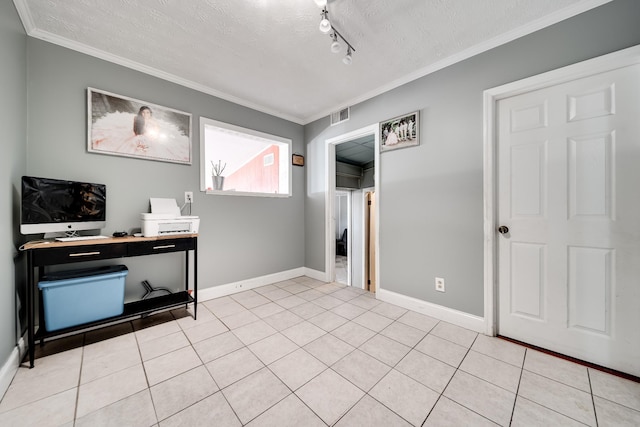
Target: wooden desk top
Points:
(41, 244)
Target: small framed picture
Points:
(400, 132)
(297, 160)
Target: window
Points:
(240, 161)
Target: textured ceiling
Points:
(269, 54)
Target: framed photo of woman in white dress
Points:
(122, 126)
(400, 132)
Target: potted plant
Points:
(217, 178)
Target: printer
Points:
(165, 219)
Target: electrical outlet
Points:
(439, 284)
(188, 197)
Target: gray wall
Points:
(13, 119)
(239, 238)
(431, 196)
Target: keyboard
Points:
(78, 238)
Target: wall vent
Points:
(340, 116)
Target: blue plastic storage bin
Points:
(75, 297)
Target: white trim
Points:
(619, 59)
(314, 274)
(330, 170)
(244, 285)
(10, 367)
(455, 317)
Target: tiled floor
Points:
(305, 353)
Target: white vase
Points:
(218, 182)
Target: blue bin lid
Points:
(83, 272)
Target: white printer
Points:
(165, 219)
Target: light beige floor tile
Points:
(361, 369)
(365, 301)
(426, 370)
(233, 367)
(500, 349)
(163, 345)
(54, 410)
(223, 307)
(405, 334)
(111, 362)
(448, 413)
(107, 390)
(171, 364)
(253, 332)
(486, 399)
(289, 412)
(307, 310)
(418, 321)
(239, 319)
(329, 395)
(212, 348)
(561, 398)
(615, 389)
(110, 346)
(203, 331)
(385, 349)
(328, 302)
(492, 370)
(267, 310)
(612, 414)
(443, 350)
(211, 411)
(273, 348)
(184, 317)
(266, 288)
(253, 300)
(348, 311)
(133, 411)
(389, 310)
(328, 321)
(345, 294)
(353, 334)
(60, 345)
(310, 295)
(529, 414)
(328, 288)
(290, 302)
(455, 334)
(303, 333)
(329, 349)
(254, 394)
(405, 396)
(297, 368)
(283, 320)
(157, 331)
(277, 294)
(373, 321)
(557, 369)
(295, 288)
(368, 412)
(182, 391)
(57, 375)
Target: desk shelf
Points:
(44, 254)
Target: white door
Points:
(569, 193)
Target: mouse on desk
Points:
(119, 234)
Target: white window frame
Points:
(206, 168)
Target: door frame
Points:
(608, 62)
(349, 196)
(330, 175)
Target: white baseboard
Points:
(244, 285)
(458, 318)
(10, 367)
(315, 274)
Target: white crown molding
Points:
(505, 38)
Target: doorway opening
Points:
(351, 232)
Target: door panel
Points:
(568, 171)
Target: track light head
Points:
(347, 58)
(321, 3)
(325, 25)
(335, 45)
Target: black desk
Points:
(43, 254)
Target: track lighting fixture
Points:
(326, 27)
(347, 58)
(335, 45)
